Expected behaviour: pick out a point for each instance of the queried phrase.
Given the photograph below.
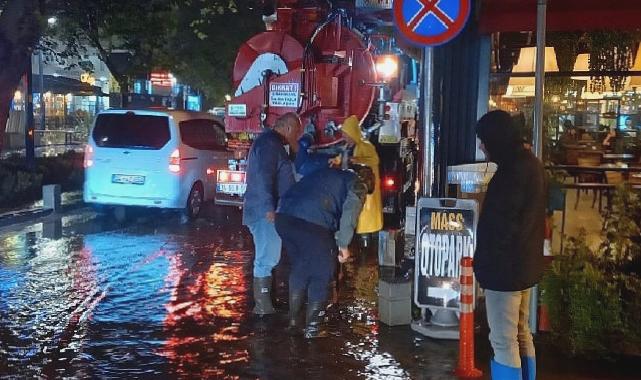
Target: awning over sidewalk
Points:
(562, 15)
(64, 85)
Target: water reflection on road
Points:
(155, 299)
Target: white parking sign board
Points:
(446, 232)
(283, 95)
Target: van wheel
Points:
(195, 201)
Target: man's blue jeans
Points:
(267, 244)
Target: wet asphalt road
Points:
(85, 297)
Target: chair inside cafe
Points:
(588, 159)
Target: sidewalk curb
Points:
(32, 215)
(22, 216)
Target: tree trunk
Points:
(19, 33)
(123, 83)
(114, 68)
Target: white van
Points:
(162, 159)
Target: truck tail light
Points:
(389, 183)
(174, 161)
(88, 161)
(223, 176)
(229, 176)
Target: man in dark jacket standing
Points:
(509, 252)
(314, 216)
(269, 175)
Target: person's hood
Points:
(500, 136)
(351, 127)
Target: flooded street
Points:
(85, 297)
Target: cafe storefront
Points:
(69, 108)
(66, 98)
(592, 97)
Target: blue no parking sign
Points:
(431, 22)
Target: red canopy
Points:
(562, 15)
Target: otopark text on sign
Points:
(430, 22)
(446, 233)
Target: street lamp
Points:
(51, 21)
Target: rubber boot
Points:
(296, 301)
(503, 372)
(314, 320)
(263, 296)
(528, 367)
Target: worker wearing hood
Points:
(371, 218)
(509, 250)
(308, 162)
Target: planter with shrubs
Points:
(594, 296)
(19, 184)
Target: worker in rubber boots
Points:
(270, 174)
(371, 219)
(317, 215)
(509, 250)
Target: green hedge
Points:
(594, 296)
(584, 304)
(19, 184)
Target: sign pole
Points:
(30, 154)
(428, 142)
(539, 87)
(436, 262)
(42, 90)
(539, 83)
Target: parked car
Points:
(154, 158)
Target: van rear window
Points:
(131, 131)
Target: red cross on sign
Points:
(430, 22)
(430, 6)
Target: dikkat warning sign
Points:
(284, 95)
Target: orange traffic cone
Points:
(466, 367)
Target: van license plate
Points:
(231, 188)
(128, 179)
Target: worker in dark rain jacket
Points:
(317, 215)
(270, 174)
(307, 162)
(509, 253)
